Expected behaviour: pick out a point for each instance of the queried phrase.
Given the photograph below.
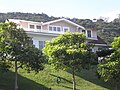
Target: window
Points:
(89, 33)
(50, 28)
(58, 29)
(38, 27)
(55, 28)
(66, 29)
(32, 26)
(41, 44)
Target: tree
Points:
(17, 50)
(110, 68)
(68, 50)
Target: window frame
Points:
(38, 26)
(43, 44)
(56, 28)
(89, 33)
(32, 25)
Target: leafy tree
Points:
(16, 50)
(69, 51)
(110, 68)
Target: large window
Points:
(41, 44)
(89, 33)
(55, 28)
(32, 26)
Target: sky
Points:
(82, 9)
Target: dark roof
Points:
(99, 41)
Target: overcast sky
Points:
(67, 8)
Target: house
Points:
(40, 32)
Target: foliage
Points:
(110, 68)
(17, 50)
(106, 30)
(69, 51)
(16, 45)
(26, 16)
(86, 80)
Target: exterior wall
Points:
(64, 24)
(94, 33)
(45, 27)
(37, 38)
(24, 24)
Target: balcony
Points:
(41, 30)
(51, 32)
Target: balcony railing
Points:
(42, 30)
(56, 32)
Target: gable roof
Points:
(53, 21)
(63, 19)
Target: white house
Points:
(40, 32)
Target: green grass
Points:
(86, 80)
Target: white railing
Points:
(39, 30)
(33, 30)
(48, 31)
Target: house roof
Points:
(53, 21)
(18, 21)
(98, 41)
(63, 19)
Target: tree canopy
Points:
(109, 69)
(69, 50)
(17, 50)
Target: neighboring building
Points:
(40, 32)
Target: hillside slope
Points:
(46, 79)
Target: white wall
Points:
(94, 33)
(37, 38)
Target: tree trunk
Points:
(16, 85)
(74, 82)
(116, 87)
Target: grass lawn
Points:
(46, 79)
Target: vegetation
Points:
(109, 69)
(16, 50)
(46, 79)
(69, 50)
(106, 30)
